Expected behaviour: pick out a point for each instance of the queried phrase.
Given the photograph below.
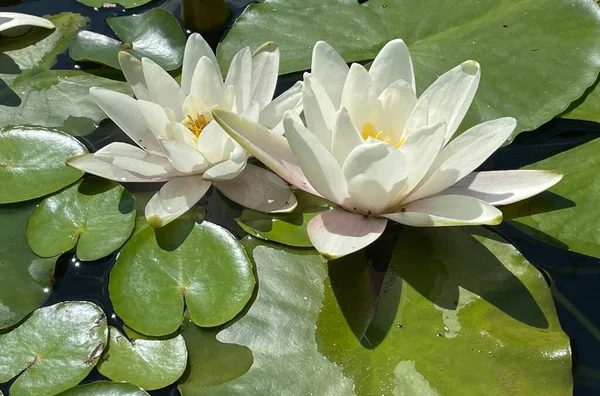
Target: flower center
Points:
(368, 130)
(197, 124)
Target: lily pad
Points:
(483, 315)
(96, 215)
(149, 364)
(124, 3)
(155, 34)
(288, 228)
(517, 46)
(105, 388)
(569, 213)
(587, 107)
(27, 280)
(57, 347)
(159, 268)
(32, 162)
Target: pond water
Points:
(575, 276)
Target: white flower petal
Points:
(359, 96)
(95, 166)
(207, 84)
(134, 159)
(337, 233)
(134, 74)
(184, 158)
(259, 189)
(447, 210)
(271, 149)
(397, 103)
(178, 132)
(375, 174)
(240, 77)
(123, 110)
(504, 187)
(10, 23)
(175, 198)
(418, 118)
(195, 48)
(463, 155)
(230, 168)
(162, 88)
(319, 112)
(193, 106)
(272, 115)
(345, 136)
(155, 117)
(330, 69)
(450, 96)
(212, 143)
(392, 63)
(265, 69)
(317, 163)
(252, 112)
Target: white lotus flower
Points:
(374, 149)
(179, 141)
(14, 23)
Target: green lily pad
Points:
(155, 34)
(32, 162)
(458, 312)
(517, 46)
(159, 268)
(57, 346)
(124, 3)
(288, 228)
(587, 107)
(149, 364)
(31, 94)
(568, 214)
(96, 215)
(210, 361)
(105, 388)
(27, 280)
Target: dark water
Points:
(575, 277)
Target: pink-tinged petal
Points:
(134, 74)
(268, 147)
(229, 168)
(504, 187)
(95, 166)
(195, 48)
(391, 64)
(175, 198)
(265, 69)
(259, 189)
(337, 233)
(446, 211)
(330, 69)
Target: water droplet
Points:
(46, 290)
(384, 6)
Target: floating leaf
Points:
(464, 296)
(96, 214)
(149, 364)
(32, 162)
(517, 46)
(155, 34)
(124, 3)
(158, 268)
(105, 388)
(26, 281)
(288, 228)
(587, 107)
(569, 213)
(57, 346)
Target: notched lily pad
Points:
(288, 228)
(158, 268)
(105, 388)
(32, 162)
(96, 215)
(57, 346)
(155, 34)
(149, 364)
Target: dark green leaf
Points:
(96, 214)
(32, 162)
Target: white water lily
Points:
(371, 147)
(15, 24)
(178, 140)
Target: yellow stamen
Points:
(368, 130)
(196, 125)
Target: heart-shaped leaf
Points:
(32, 162)
(105, 388)
(124, 3)
(27, 279)
(57, 347)
(158, 268)
(517, 46)
(149, 364)
(155, 34)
